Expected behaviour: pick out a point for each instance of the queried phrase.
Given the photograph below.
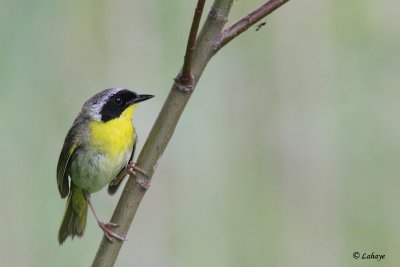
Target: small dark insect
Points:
(259, 26)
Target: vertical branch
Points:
(185, 77)
(210, 34)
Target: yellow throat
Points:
(114, 136)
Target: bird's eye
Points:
(118, 101)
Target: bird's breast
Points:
(113, 137)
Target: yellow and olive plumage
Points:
(96, 149)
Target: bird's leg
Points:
(131, 168)
(106, 227)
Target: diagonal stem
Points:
(198, 53)
(247, 21)
(162, 132)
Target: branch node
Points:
(217, 15)
(185, 85)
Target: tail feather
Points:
(74, 221)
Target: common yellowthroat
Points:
(98, 150)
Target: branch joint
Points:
(184, 84)
(217, 15)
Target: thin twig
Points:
(185, 79)
(247, 21)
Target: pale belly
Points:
(92, 171)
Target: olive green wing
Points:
(114, 184)
(69, 147)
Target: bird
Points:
(98, 151)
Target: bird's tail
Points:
(74, 221)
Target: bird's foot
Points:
(131, 168)
(108, 233)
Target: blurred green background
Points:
(287, 154)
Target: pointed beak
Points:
(140, 98)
